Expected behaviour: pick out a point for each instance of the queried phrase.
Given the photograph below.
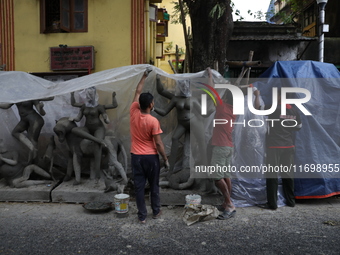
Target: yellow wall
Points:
(109, 26)
(175, 35)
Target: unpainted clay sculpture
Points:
(185, 105)
(31, 122)
(181, 179)
(80, 148)
(17, 175)
(93, 129)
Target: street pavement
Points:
(312, 227)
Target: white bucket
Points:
(192, 199)
(121, 203)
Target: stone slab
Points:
(37, 193)
(177, 197)
(85, 192)
(89, 191)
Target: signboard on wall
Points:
(72, 58)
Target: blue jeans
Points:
(146, 167)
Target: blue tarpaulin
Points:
(318, 142)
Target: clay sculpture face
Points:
(62, 127)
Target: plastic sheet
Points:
(183, 88)
(249, 149)
(88, 96)
(123, 80)
(321, 129)
(20, 86)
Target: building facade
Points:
(306, 18)
(56, 37)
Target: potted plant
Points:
(168, 47)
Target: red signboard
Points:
(72, 58)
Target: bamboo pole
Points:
(245, 69)
(177, 58)
(250, 58)
(243, 63)
(172, 67)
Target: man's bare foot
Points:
(228, 208)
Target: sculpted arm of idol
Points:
(160, 89)
(103, 108)
(75, 104)
(11, 159)
(102, 111)
(167, 109)
(40, 105)
(80, 114)
(114, 103)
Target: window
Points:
(152, 12)
(60, 16)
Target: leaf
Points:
(213, 11)
(217, 9)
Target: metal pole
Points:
(321, 33)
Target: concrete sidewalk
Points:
(312, 227)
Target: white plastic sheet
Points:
(249, 150)
(20, 86)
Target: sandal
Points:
(226, 215)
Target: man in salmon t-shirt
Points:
(146, 142)
(222, 152)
